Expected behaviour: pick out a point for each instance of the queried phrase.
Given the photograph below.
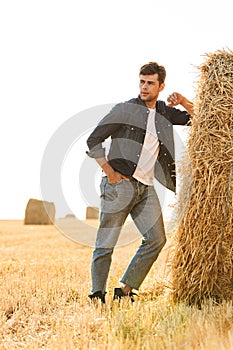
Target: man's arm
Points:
(107, 127)
(98, 153)
(176, 98)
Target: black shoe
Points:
(118, 294)
(97, 295)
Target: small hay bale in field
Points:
(203, 258)
(39, 212)
(92, 213)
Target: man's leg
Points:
(107, 236)
(147, 216)
(115, 207)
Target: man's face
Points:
(149, 89)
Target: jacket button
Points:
(165, 154)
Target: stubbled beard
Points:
(149, 98)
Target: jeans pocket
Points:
(119, 182)
(107, 190)
(116, 197)
(102, 186)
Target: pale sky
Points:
(59, 58)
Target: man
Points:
(142, 147)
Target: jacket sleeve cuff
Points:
(96, 153)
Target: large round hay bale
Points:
(203, 258)
(39, 212)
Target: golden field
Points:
(45, 280)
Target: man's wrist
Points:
(182, 100)
(108, 169)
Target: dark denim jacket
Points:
(126, 124)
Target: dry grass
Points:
(44, 285)
(203, 261)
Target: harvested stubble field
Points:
(44, 285)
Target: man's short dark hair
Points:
(154, 68)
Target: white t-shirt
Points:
(145, 168)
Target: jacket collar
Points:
(139, 101)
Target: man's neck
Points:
(151, 104)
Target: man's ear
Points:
(161, 87)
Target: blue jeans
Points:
(117, 202)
